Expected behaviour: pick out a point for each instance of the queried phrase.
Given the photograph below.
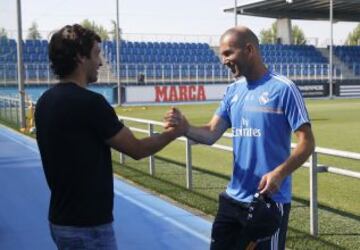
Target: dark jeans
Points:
(100, 237)
(228, 228)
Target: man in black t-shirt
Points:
(75, 130)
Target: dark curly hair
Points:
(66, 44)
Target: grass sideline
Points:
(335, 124)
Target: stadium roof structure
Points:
(344, 10)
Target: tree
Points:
(298, 35)
(99, 29)
(113, 30)
(33, 32)
(3, 33)
(354, 36)
(269, 35)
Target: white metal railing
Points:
(10, 109)
(313, 165)
(148, 73)
(168, 72)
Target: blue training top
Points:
(262, 115)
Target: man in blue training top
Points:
(262, 108)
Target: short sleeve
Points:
(104, 119)
(294, 107)
(224, 110)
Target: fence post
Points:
(313, 195)
(17, 112)
(7, 109)
(151, 157)
(3, 108)
(122, 155)
(188, 165)
(11, 117)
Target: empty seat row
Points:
(173, 70)
(144, 51)
(164, 59)
(286, 47)
(160, 52)
(147, 45)
(7, 42)
(34, 51)
(350, 55)
(298, 59)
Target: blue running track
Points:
(142, 220)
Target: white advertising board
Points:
(174, 93)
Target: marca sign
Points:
(174, 93)
(181, 93)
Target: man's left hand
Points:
(270, 183)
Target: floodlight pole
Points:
(118, 54)
(235, 13)
(331, 51)
(20, 67)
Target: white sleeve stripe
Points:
(299, 101)
(297, 95)
(298, 98)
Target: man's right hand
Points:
(124, 141)
(176, 122)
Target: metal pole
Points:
(188, 165)
(121, 158)
(118, 53)
(122, 155)
(20, 68)
(151, 157)
(235, 14)
(331, 52)
(313, 195)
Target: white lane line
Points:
(164, 217)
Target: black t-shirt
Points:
(72, 125)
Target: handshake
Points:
(175, 122)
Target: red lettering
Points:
(161, 94)
(183, 93)
(191, 94)
(173, 94)
(201, 93)
(180, 93)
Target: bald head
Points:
(241, 35)
(240, 51)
